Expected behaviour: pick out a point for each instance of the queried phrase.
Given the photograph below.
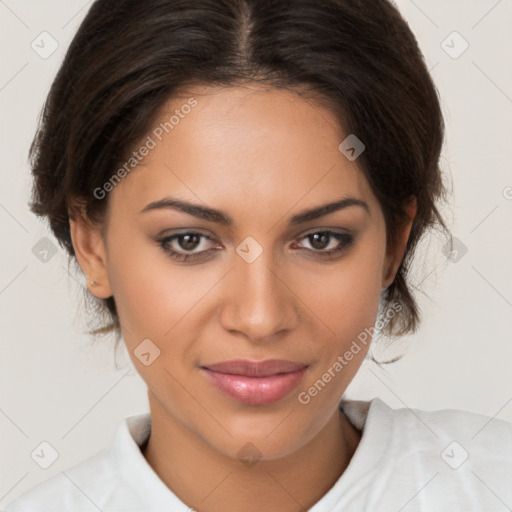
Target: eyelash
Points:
(346, 241)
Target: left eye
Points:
(187, 246)
(326, 243)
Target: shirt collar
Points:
(372, 417)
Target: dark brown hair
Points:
(129, 57)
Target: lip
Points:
(255, 382)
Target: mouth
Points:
(255, 382)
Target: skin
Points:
(261, 156)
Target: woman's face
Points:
(249, 279)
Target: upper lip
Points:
(256, 368)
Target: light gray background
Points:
(57, 387)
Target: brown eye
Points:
(188, 242)
(327, 243)
(182, 246)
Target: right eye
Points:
(183, 246)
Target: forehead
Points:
(244, 145)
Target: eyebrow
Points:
(219, 217)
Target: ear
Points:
(90, 253)
(395, 253)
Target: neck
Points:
(212, 482)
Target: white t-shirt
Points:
(407, 460)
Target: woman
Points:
(244, 184)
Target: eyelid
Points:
(342, 246)
(341, 231)
(208, 235)
(173, 236)
(345, 239)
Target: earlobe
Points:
(91, 255)
(395, 254)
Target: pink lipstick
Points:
(253, 382)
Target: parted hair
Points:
(358, 58)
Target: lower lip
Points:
(255, 390)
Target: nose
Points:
(259, 302)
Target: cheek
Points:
(346, 296)
(346, 299)
(348, 304)
(154, 294)
(142, 285)
(151, 294)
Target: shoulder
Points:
(96, 483)
(477, 431)
(74, 489)
(455, 458)
(412, 424)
